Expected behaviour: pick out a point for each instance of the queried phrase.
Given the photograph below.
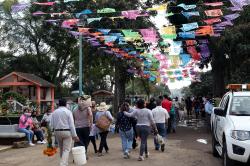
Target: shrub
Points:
(14, 95)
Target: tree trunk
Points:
(120, 83)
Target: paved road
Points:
(182, 150)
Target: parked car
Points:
(230, 124)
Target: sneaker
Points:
(31, 144)
(126, 155)
(100, 154)
(39, 142)
(162, 147)
(141, 158)
(44, 142)
(147, 155)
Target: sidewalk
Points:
(4, 148)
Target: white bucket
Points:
(79, 155)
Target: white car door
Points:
(221, 120)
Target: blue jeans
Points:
(173, 121)
(143, 132)
(29, 134)
(127, 140)
(162, 132)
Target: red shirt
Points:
(166, 104)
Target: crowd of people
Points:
(87, 123)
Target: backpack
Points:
(103, 122)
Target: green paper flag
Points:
(106, 10)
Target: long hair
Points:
(124, 107)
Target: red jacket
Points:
(166, 104)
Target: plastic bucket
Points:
(79, 155)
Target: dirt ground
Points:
(182, 150)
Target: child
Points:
(92, 136)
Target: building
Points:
(32, 87)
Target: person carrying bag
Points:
(103, 122)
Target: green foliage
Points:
(203, 88)
(14, 95)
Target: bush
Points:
(21, 99)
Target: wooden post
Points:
(52, 98)
(38, 98)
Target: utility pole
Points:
(80, 66)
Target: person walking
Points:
(63, 124)
(25, 125)
(125, 126)
(103, 115)
(197, 107)
(167, 104)
(152, 104)
(144, 121)
(181, 110)
(83, 121)
(188, 103)
(93, 131)
(208, 109)
(161, 117)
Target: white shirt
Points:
(160, 114)
(62, 118)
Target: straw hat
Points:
(103, 107)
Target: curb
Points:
(5, 148)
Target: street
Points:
(182, 149)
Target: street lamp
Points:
(82, 23)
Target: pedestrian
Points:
(152, 104)
(173, 119)
(144, 121)
(125, 126)
(83, 120)
(188, 103)
(197, 107)
(93, 131)
(63, 124)
(208, 109)
(36, 128)
(161, 117)
(103, 115)
(25, 125)
(181, 109)
(167, 104)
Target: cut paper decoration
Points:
(69, 23)
(44, 3)
(187, 7)
(90, 20)
(190, 14)
(38, 13)
(214, 13)
(106, 10)
(204, 50)
(168, 32)
(84, 12)
(204, 31)
(189, 26)
(185, 59)
(232, 17)
(133, 14)
(224, 23)
(105, 31)
(187, 35)
(236, 8)
(176, 48)
(193, 52)
(65, 1)
(214, 4)
(19, 7)
(212, 21)
(159, 8)
(191, 42)
(149, 35)
(131, 36)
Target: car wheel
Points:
(226, 160)
(214, 143)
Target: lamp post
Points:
(80, 66)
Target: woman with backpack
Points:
(125, 126)
(103, 121)
(144, 121)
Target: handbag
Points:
(103, 122)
